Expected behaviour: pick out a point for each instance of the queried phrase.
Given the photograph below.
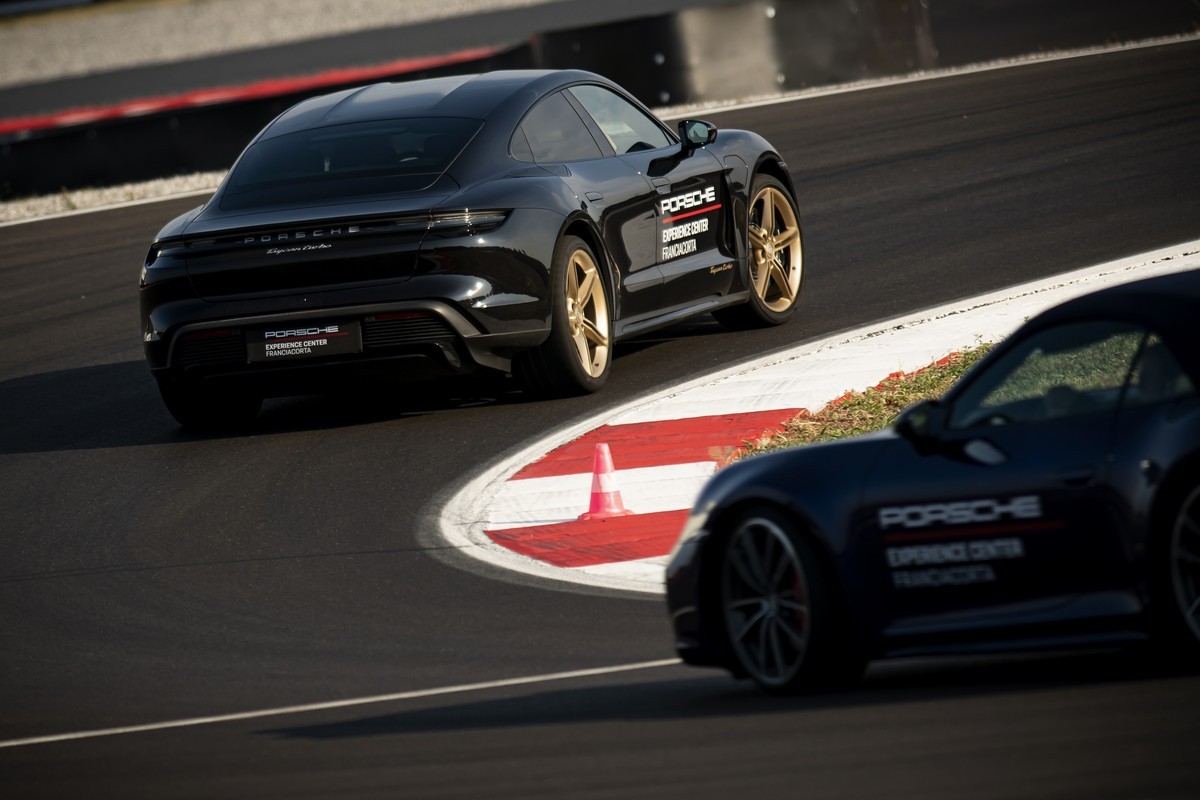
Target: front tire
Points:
(781, 619)
(576, 357)
(775, 252)
(1179, 622)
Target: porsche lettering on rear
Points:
(292, 332)
(291, 236)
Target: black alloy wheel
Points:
(781, 621)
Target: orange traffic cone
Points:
(606, 497)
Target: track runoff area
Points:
(530, 512)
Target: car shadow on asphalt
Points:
(701, 695)
(117, 405)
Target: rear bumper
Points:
(417, 339)
(481, 299)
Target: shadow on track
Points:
(117, 405)
(713, 695)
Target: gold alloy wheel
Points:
(587, 313)
(776, 261)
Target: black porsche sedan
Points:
(519, 221)
(1050, 499)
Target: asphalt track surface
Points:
(147, 575)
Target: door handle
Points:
(595, 197)
(662, 185)
(1075, 476)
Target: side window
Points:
(1157, 376)
(556, 133)
(520, 148)
(627, 127)
(1076, 368)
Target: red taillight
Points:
(213, 334)
(399, 315)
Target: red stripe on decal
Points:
(989, 530)
(656, 444)
(698, 211)
(598, 541)
(225, 94)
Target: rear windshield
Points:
(344, 162)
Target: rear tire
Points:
(576, 357)
(199, 408)
(775, 255)
(783, 624)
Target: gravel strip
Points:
(127, 34)
(66, 202)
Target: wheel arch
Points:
(719, 527)
(1184, 475)
(1166, 626)
(582, 227)
(771, 164)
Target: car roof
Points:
(471, 96)
(1168, 304)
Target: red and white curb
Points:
(522, 512)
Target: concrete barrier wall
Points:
(748, 49)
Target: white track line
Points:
(335, 704)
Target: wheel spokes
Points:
(746, 572)
(768, 212)
(789, 237)
(765, 613)
(780, 279)
(593, 335)
(754, 620)
(587, 313)
(775, 245)
(759, 240)
(586, 287)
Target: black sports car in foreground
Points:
(519, 221)
(1050, 499)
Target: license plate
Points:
(307, 340)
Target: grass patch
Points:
(870, 410)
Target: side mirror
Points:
(922, 423)
(695, 133)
